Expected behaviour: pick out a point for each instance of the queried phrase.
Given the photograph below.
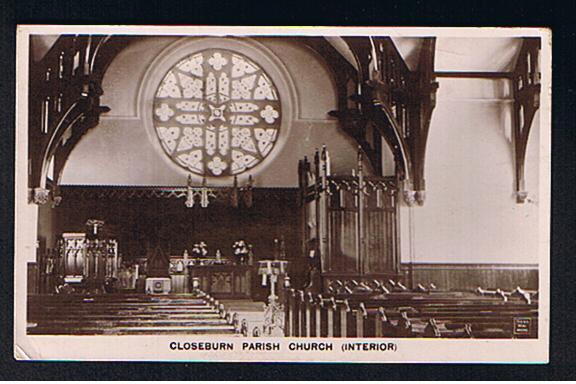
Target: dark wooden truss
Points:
(65, 88)
(378, 97)
(389, 100)
(66, 85)
(526, 90)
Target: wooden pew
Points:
(389, 309)
(128, 314)
(479, 318)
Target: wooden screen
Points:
(352, 220)
(362, 239)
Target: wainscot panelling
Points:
(472, 276)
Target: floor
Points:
(252, 311)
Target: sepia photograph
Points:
(282, 194)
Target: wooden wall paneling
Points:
(32, 278)
(353, 217)
(344, 257)
(360, 220)
(472, 276)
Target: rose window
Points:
(217, 113)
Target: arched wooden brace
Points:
(361, 127)
(104, 52)
(91, 56)
(390, 130)
(402, 102)
(73, 115)
(42, 159)
(388, 87)
(526, 90)
(376, 95)
(422, 104)
(79, 117)
(346, 76)
(397, 102)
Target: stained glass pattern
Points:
(217, 113)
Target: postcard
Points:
(282, 194)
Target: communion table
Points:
(226, 281)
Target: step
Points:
(120, 308)
(75, 323)
(129, 311)
(122, 315)
(111, 317)
(198, 329)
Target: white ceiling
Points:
(477, 54)
(454, 54)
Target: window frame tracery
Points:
(262, 129)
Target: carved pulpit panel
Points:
(221, 282)
(73, 253)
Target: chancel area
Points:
(308, 186)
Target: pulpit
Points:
(158, 279)
(85, 260)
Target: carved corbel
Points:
(413, 197)
(40, 196)
(420, 197)
(409, 197)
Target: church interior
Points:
(302, 186)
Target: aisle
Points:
(252, 311)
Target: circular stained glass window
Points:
(217, 113)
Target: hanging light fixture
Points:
(205, 193)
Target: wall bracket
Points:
(526, 91)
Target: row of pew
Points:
(131, 314)
(390, 309)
